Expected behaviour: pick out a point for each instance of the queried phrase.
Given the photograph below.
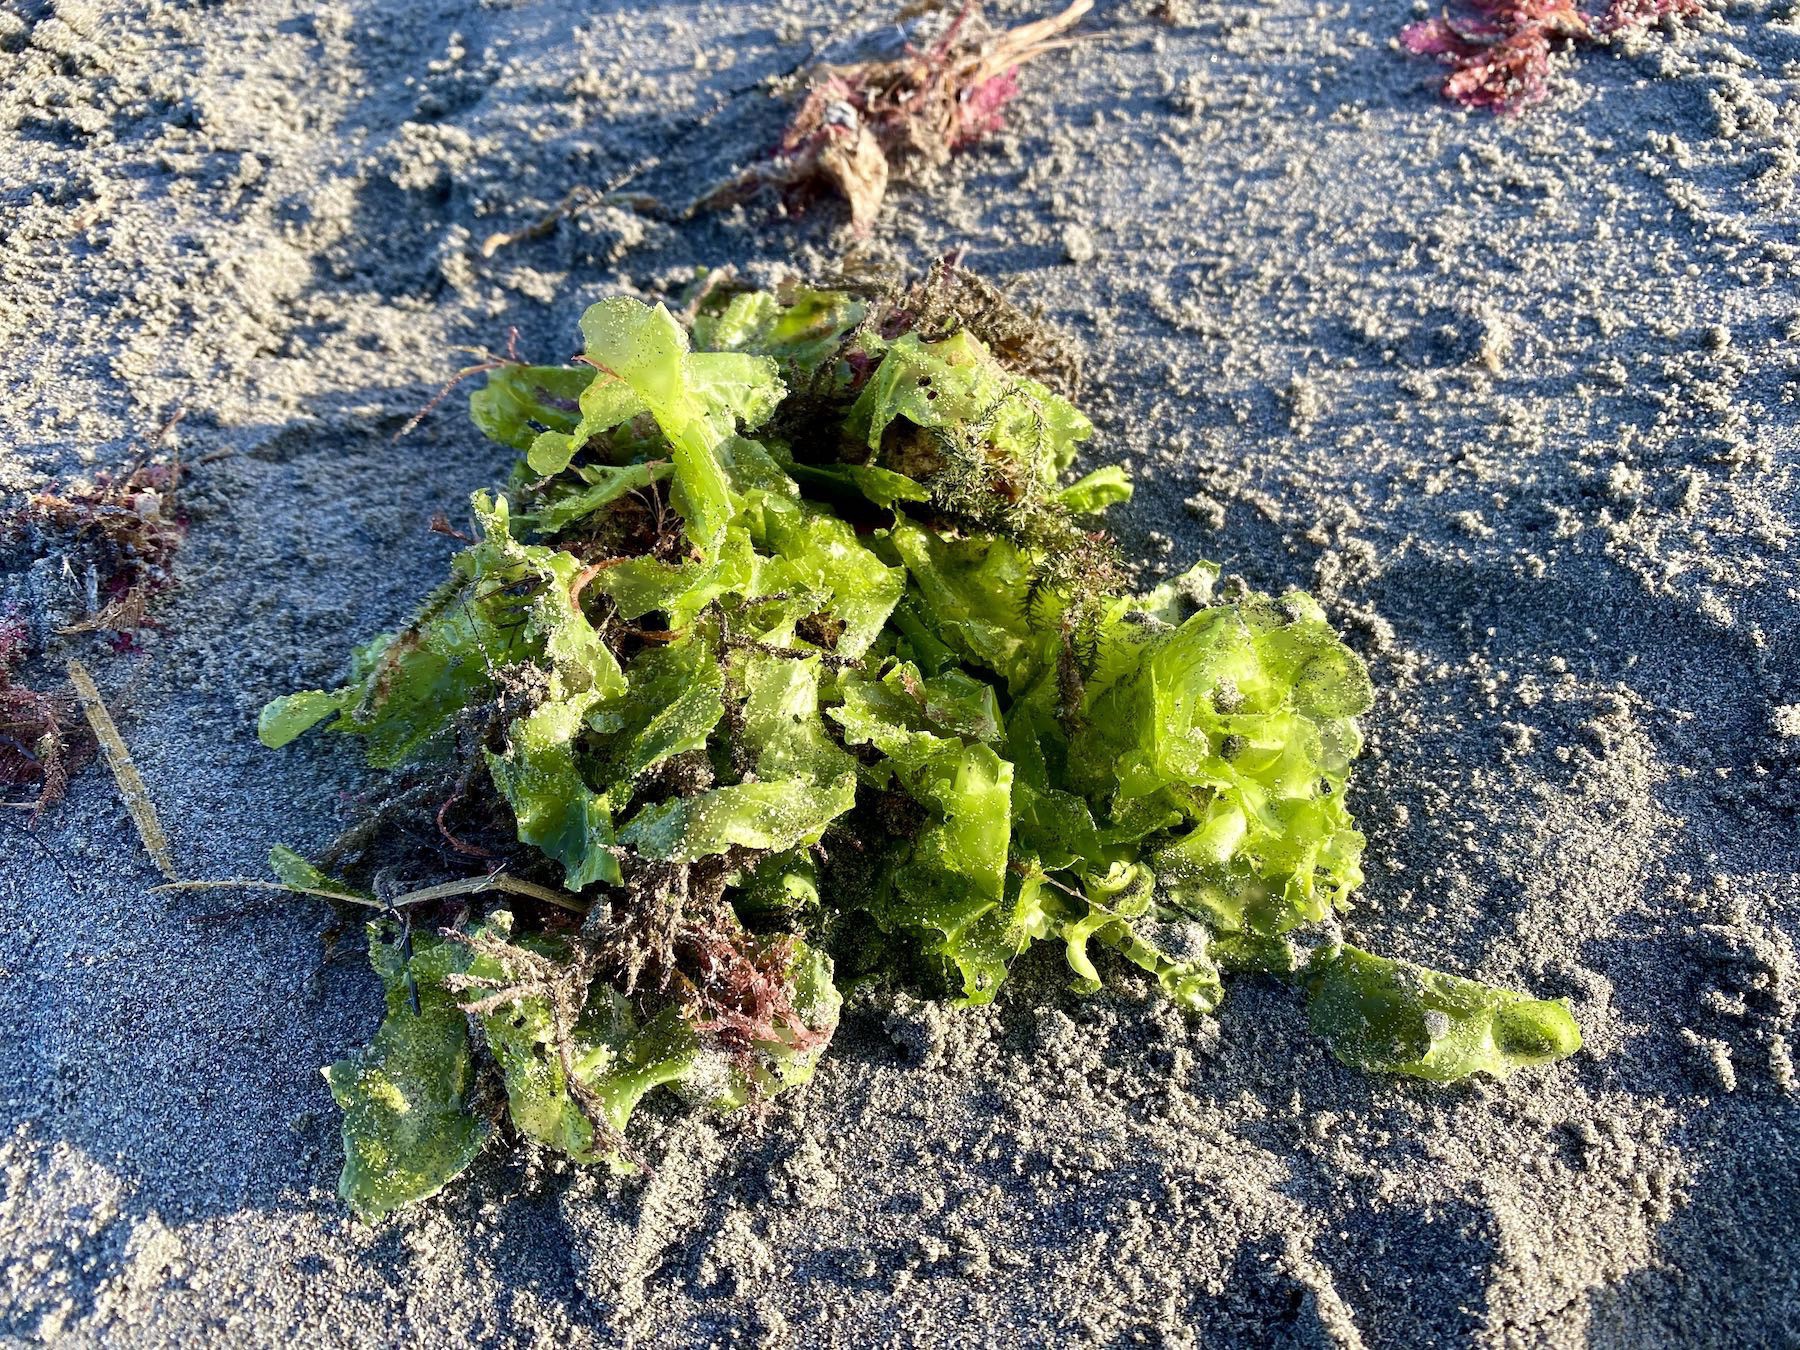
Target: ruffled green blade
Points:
(794, 623)
(1395, 1017)
(697, 398)
(407, 1125)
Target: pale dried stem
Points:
(125, 774)
(499, 881)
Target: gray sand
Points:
(1516, 398)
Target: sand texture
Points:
(1516, 398)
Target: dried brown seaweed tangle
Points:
(38, 747)
(120, 536)
(862, 125)
(118, 539)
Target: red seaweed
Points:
(1501, 50)
(860, 125)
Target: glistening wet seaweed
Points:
(872, 682)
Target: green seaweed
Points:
(871, 682)
(1395, 1017)
(408, 1129)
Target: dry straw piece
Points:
(118, 759)
(496, 881)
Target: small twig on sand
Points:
(488, 363)
(118, 759)
(42, 847)
(258, 884)
(172, 421)
(578, 196)
(498, 881)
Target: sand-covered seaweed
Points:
(789, 637)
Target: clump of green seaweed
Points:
(788, 637)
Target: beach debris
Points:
(112, 544)
(118, 537)
(1501, 51)
(863, 125)
(484, 362)
(578, 198)
(301, 877)
(794, 649)
(37, 748)
(131, 783)
(859, 126)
